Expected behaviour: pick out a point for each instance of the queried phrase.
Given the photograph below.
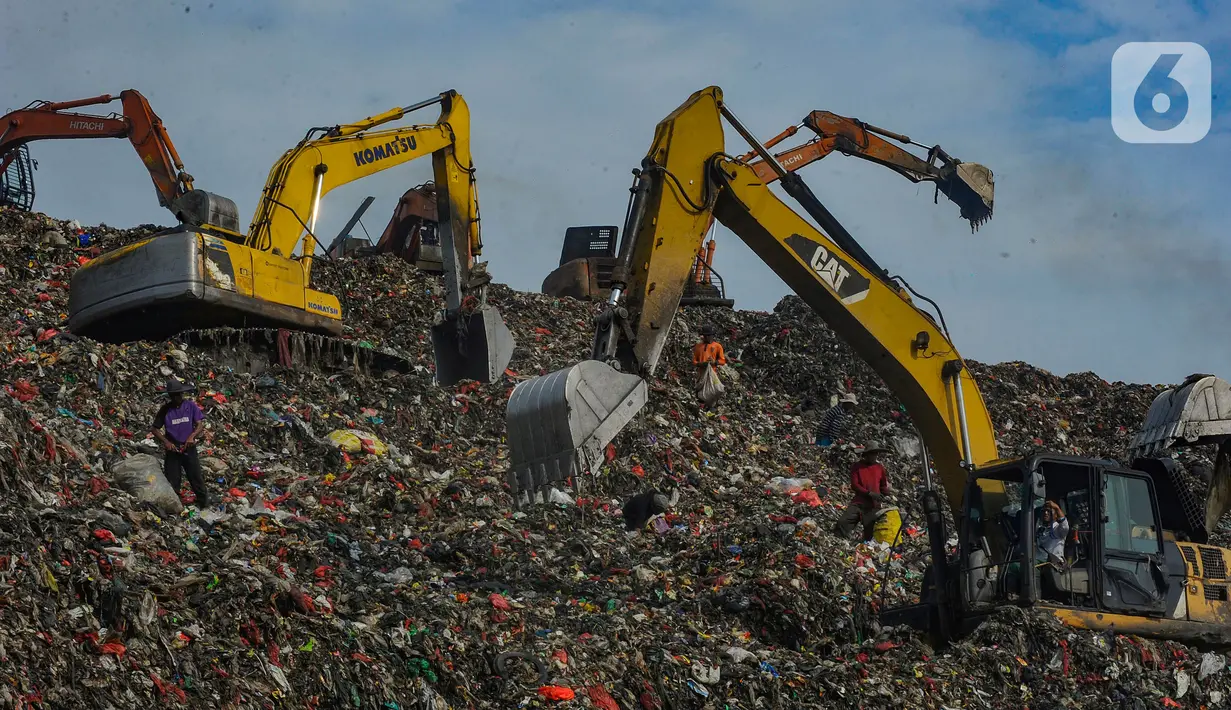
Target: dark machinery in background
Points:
(411, 232)
(588, 258)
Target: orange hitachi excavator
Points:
(588, 256)
(47, 120)
(968, 185)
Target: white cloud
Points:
(1110, 247)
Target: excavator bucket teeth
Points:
(972, 189)
(559, 424)
(475, 347)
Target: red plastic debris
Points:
(499, 602)
(22, 390)
(601, 698)
(556, 692)
(808, 498)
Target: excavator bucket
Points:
(972, 189)
(559, 424)
(475, 347)
(1195, 413)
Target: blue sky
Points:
(1102, 255)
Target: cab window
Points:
(1130, 525)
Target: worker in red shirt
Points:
(871, 485)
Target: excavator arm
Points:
(328, 158)
(558, 424)
(968, 185)
(45, 120)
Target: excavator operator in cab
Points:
(1053, 529)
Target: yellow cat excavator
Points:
(210, 276)
(1133, 564)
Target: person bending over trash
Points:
(708, 355)
(871, 485)
(835, 420)
(177, 425)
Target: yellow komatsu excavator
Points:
(1132, 563)
(195, 277)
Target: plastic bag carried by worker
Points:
(888, 526)
(709, 387)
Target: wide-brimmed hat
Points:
(849, 397)
(874, 447)
(177, 386)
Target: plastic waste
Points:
(709, 387)
(354, 441)
(141, 476)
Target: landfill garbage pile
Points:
(366, 552)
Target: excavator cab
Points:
(1124, 559)
(1115, 560)
(17, 180)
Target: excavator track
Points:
(255, 350)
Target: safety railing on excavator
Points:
(706, 287)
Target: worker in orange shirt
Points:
(708, 356)
(708, 351)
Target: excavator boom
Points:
(685, 181)
(968, 185)
(45, 120)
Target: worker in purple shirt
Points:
(177, 425)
